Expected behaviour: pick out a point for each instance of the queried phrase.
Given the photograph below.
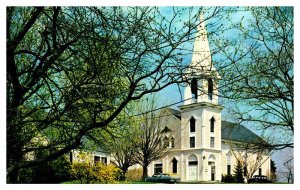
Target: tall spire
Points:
(201, 74)
(201, 59)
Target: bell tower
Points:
(201, 113)
(202, 76)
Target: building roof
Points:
(230, 131)
(176, 113)
(236, 132)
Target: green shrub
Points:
(135, 174)
(95, 173)
(55, 171)
(228, 179)
(238, 173)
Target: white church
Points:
(201, 146)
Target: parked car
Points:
(162, 178)
(259, 179)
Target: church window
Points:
(166, 142)
(228, 169)
(228, 164)
(245, 171)
(212, 125)
(194, 88)
(192, 142)
(158, 168)
(259, 171)
(193, 163)
(172, 142)
(210, 89)
(212, 142)
(192, 125)
(174, 166)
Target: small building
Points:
(92, 156)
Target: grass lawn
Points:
(140, 182)
(72, 182)
(116, 182)
(145, 182)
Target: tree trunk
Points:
(145, 171)
(124, 170)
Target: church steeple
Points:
(201, 74)
(201, 58)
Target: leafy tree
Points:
(121, 145)
(150, 146)
(250, 155)
(56, 171)
(287, 171)
(73, 70)
(238, 172)
(258, 72)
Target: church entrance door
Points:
(212, 170)
(193, 172)
(192, 168)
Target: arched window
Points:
(166, 142)
(210, 89)
(193, 160)
(192, 125)
(194, 88)
(212, 125)
(174, 166)
(228, 164)
(172, 142)
(228, 159)
(245, 170)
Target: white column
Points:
(167, 164)
(203, 133)
(150, 169)
(186, 168)
(199, 167)
(181, 166)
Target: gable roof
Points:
(230, 131)
(176, 113)
(236, 132)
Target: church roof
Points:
(230, 131)
(236, 132)
(176, 113)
